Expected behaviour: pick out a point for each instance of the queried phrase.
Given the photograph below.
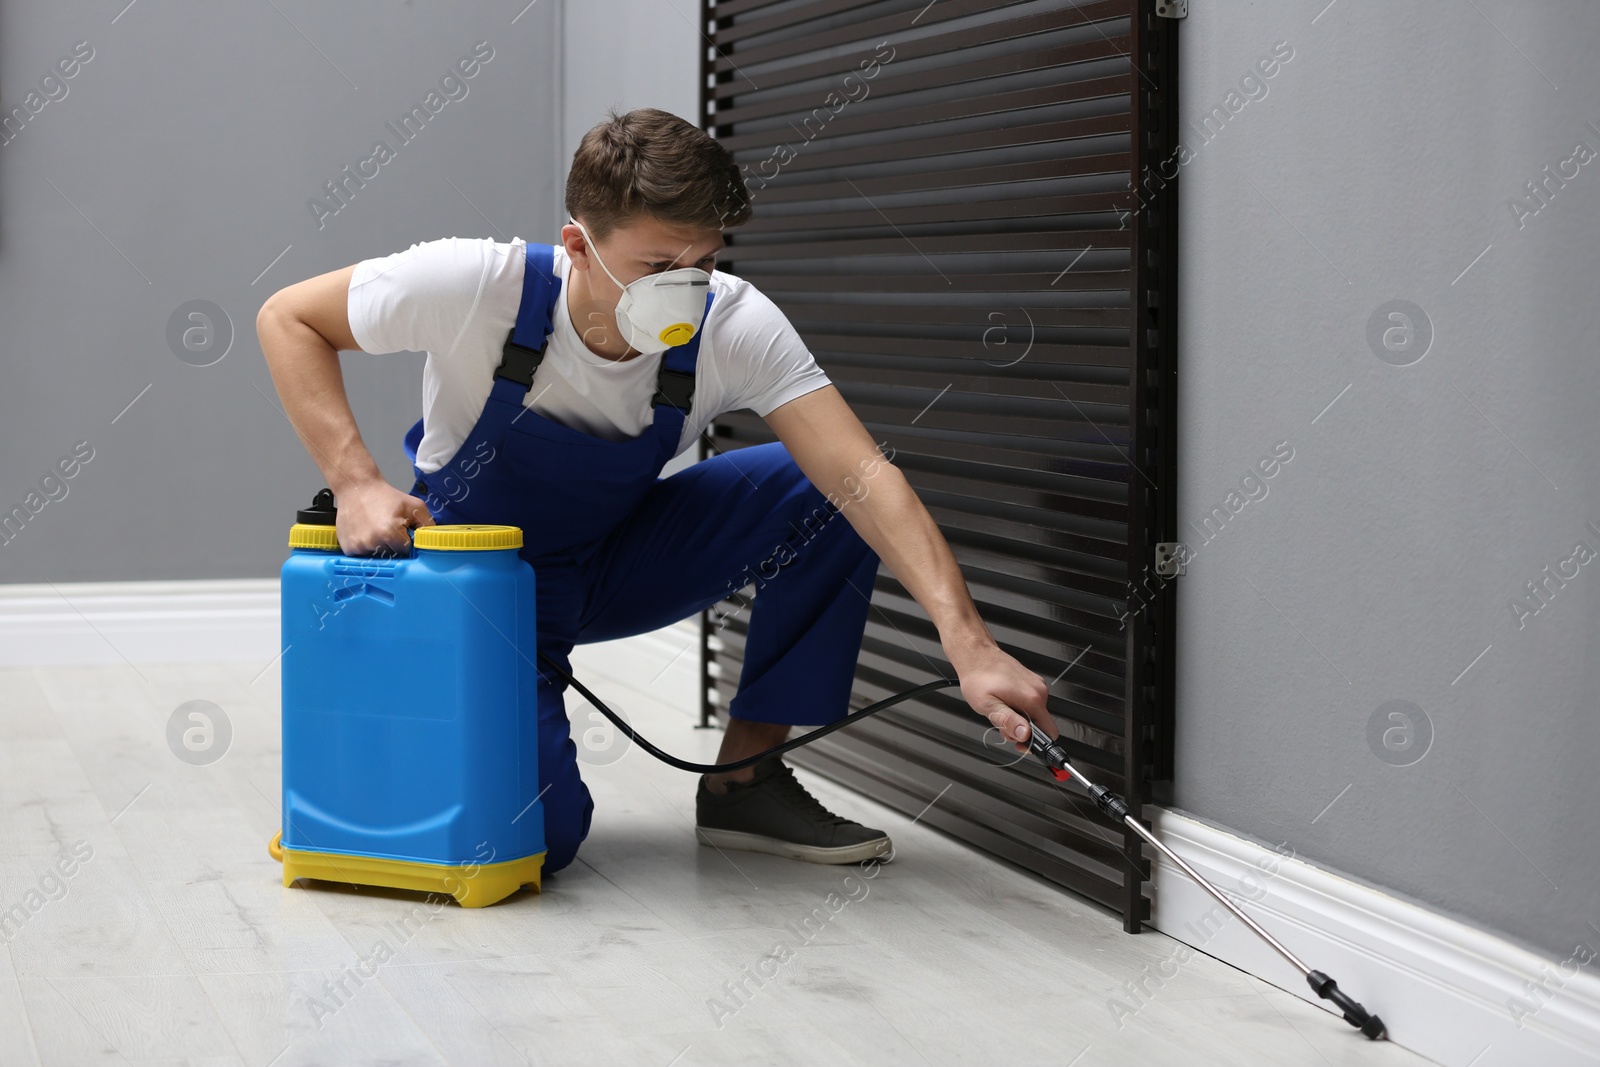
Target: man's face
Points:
(644, 246)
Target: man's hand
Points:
(998, 687)
(374, 518)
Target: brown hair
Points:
(651, 162)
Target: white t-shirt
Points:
(456, 299)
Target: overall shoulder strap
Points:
(524, 348)
(525, 344)
(675, 379)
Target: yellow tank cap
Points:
(468, 537)
(304, 535)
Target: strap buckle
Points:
(675, 388)
(518, 362)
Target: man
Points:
(572, 453)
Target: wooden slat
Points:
(912, 375)
(956, 211)
(947, 315)
(790, 186)
(992, 140)
(755, 249)
(848, 121)
(1089, 355)
(1066, 280)
(886, 84)
(869, 27)
(886, 26)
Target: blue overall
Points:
(617, 550)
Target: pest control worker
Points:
(559, 381)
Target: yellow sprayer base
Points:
(471, 886)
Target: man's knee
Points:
(565, 798)
(566, 824)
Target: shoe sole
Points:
(878, 848)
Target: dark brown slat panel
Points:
(911, 637)
(913, 378)
(883, 778)
(948, 717)
(1088, 472)
(1022, 411)
(941, 416)
(1087, 704)
(1017, 376)
(870, 27)
(1093, 713)
(767, 190)
(928, 245)
(962, 731)
(1029, 557)
(1087, 627)
(872, 30)
(753, 24)
(950, 44)
(1024, 559)
(1069, 355)
(745, 428)
(1032, 207)
(995, 587)
(945, 314)
(1010, 396)
(1003, 457)
(1099, 628)
(886, 85)
(781, 189)
(1000, 520)
(885, 658)
(728, 9)
(1056, 573)
(926, 742)
(844, 121)
(1019, 136)
(1016, 496)
(915, 464)
(879, 282)
(1013, 523)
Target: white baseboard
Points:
(237, 620)
(98, 623)
(1443, 988)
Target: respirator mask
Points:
(658, 311)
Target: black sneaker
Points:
(774, 813)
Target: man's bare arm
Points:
(302, 329)
(829, 444)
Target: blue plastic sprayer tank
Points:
(410, 725)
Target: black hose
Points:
(750, 761)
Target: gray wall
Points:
(1386, 555)
(178, 166)
(627, 54)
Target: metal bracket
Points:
(1172, 9)
(1172, 558)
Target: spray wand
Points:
(1116, 809)
(1055, 758)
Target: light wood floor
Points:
(175, 943)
